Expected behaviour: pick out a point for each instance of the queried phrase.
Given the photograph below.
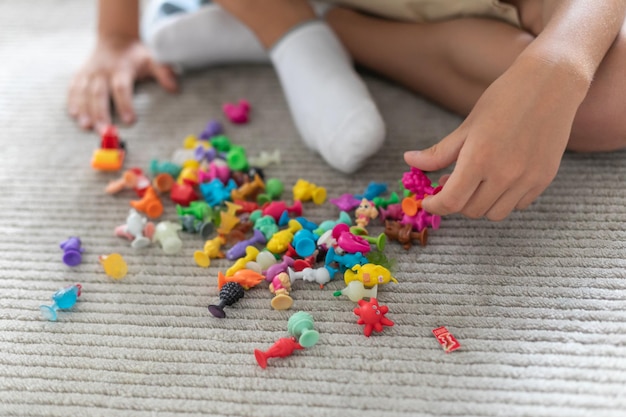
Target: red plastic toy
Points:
(110, 155)
(372, 316)
(283, 347)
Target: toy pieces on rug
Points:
(110, 156)
(72, 251)
(372, 316)
(446, 340)
(64, 299)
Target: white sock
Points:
(204, 37)
(329, 102)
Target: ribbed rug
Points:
(538, 302)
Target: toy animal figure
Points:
(137, 229)
(365, 212)
(404, 234)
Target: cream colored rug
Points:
(538, 302)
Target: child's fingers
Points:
(99, 102)
(164, 76)
(507, 203)
(122, 92)
(80, 98)
(459, 188)
(437, 156)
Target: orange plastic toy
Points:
(247, 278)
(149, 204)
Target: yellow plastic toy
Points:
(251, 254)
(108, 159)
(279, 243)
(211, 250)
(114, 265)
(369, 274)
(305, 191)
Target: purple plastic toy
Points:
(72, 255)
(239, 250)
(213, 128)
(277, 268)
(346, 202)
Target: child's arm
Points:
(509, 148)
(118, 60)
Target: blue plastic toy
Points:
(64, 299)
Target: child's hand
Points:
(110, 72)
(509, 148)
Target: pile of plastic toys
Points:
(223, 196)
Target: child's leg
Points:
(330, 104)
(196, 33)
(453, 62)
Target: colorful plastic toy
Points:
(392, 212)
(213, 128)
(63, 299)
(365, 212)
(72, 251)
(404, 234)
(221, 142)
(356, 291)
(230, 293)
(348, 241)
(345, 261)
(239, 249)
(183, 194)
(417, 183)
(247, 278)
(381, 202)
(163, 182)
(345, 202)
(214, 171)
(262, 262)
(300, 326)
(137, 229)
(379, 241)
(251, 254)
(211, 250)
(372, 316)
(150, 204)
(215, 192)
(304, 242)
(278, 268)
(330, 224)
(204, 153)
(369, 275)
(280, 287)
(114, 265)
(165, 167)
(306, 191)
(319, 275)
(446, 339)
(265, 159)
(373, 190)
(282, 348)
(237, 113)
(110, 155)
(236, 158)
(279, 242)
(277, 208)
(248, 189)
(190, 224)
(131, 179)
(166, 234)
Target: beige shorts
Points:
(420, 11)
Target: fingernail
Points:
(83, 121)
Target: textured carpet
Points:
(538, 302)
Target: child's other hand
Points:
(508, 150)
(110, 72)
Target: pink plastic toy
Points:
(348, 241)
(277, 208)
(237, 113)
